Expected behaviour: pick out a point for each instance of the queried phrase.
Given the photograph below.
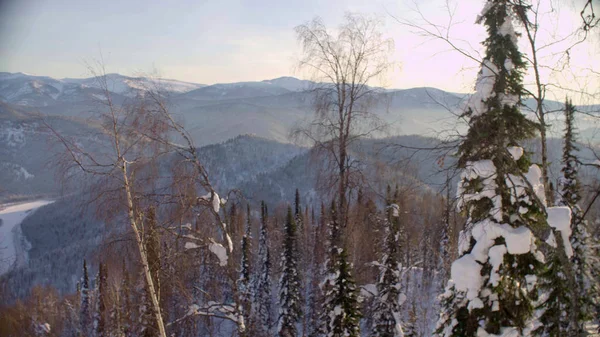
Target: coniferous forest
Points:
(334, 233)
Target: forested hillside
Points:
(136, 206)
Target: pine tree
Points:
(388, 301)
(245, 271)
(570, 195)
(85, 315)
(100, 307)
(493, 288)
(341, 313)
(290, 298)
(262, 292)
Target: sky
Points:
(208, 41)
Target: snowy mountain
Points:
(43, 91)
(218, 92)
(291, 83)
(269, 108)
(128, 86)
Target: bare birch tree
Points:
(142, 138)
(343, 65)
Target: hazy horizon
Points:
(236, 41)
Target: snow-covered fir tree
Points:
(570, 196)
(341, 311)
(290, 298)
(244, 280)
(387, 310)
(99, 298)
(493, 289)
(262, 288)
(84, 307)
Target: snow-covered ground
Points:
(12, 243)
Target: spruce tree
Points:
(290, 299)
(262, 292)
(100, 307)
(388, 301)
(493, 290)
(341, 312)
(85, 316)
(243, 282)
(570, 196)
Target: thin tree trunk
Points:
(573, 329)
(142, 250)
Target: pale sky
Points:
(207, 41)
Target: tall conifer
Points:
(494, 288)
(290, 298)
(341, 312)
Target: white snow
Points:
(486, 171)
(191, 245)
(395, 210)
(368, 290)
(518, 240)
(220, 252)
(216, 202)
(484, 87)
(551, 240)
(507, 28)
(559, 218)
(466, 275)
(516, 152)
(496, 258)
(12, 250)
(534, 176)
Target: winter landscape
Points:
(342, 168)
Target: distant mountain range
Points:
(211, 113)
(218, 112)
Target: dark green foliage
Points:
(262, 289)
(341, 312)
(85, 315)
(243, 282)
(387, 309)
(584, 291)
(290, 299)
(495, 125)
(569, 184)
